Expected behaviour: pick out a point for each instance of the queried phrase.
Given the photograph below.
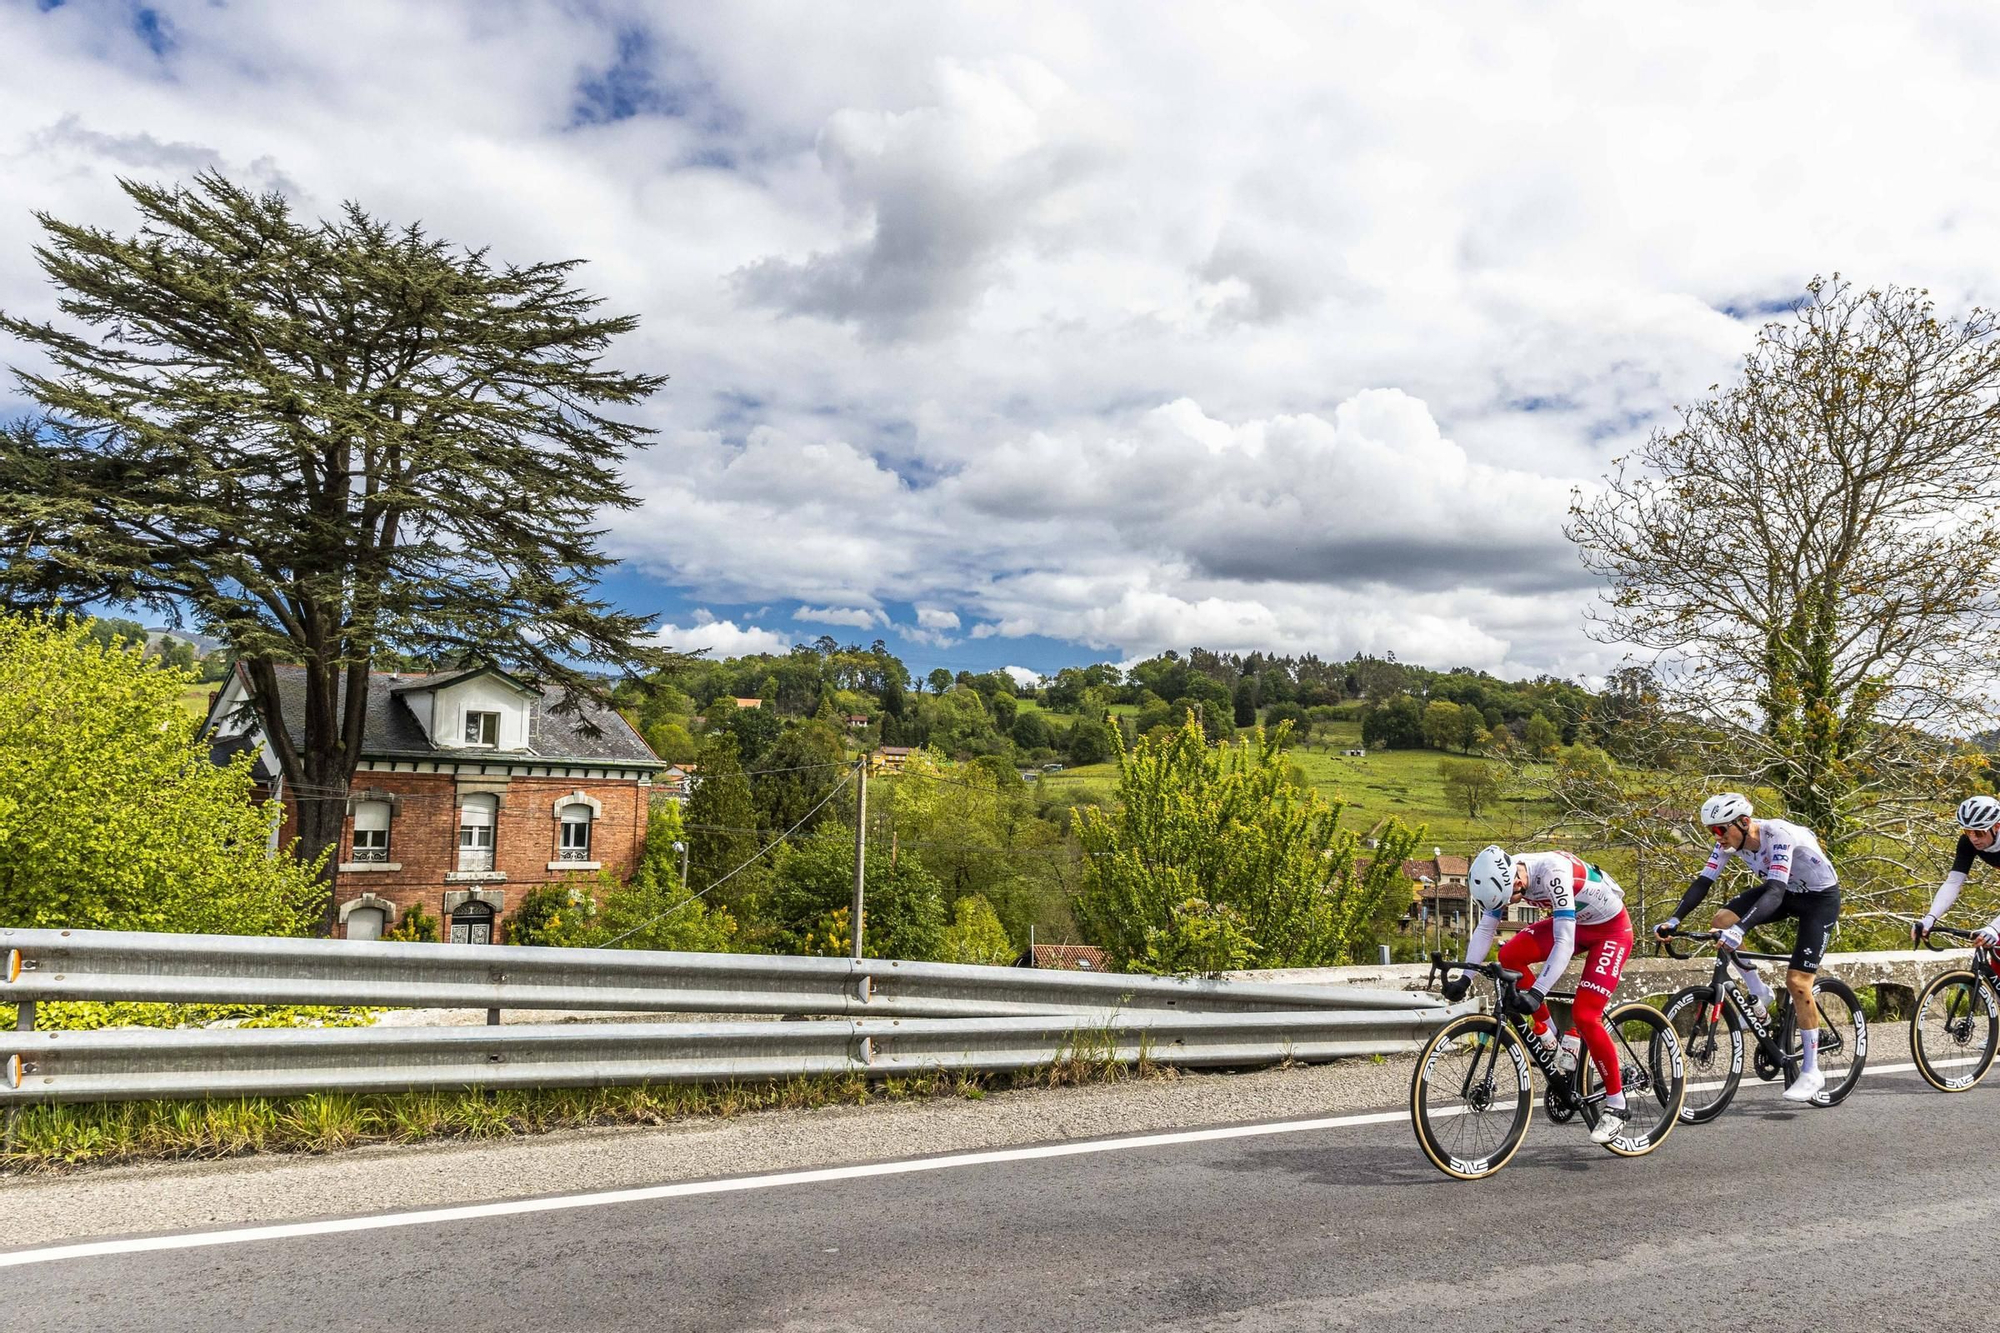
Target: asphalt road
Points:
(1870, 1215)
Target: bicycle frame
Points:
(1565, 1086)
(1774, 1038)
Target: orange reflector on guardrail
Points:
(13, 965)
(13, 1071)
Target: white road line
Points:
(517, 1207)
(684, 1189)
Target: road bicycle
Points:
(1956, 1023)
(1711, 1021)
(1471, 1097)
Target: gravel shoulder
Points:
(172, 1196)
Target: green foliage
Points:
(721, 816)
(111, 815)
(1200, 939)
(813, 878)
(975, 935)
(975, 827)
(1091, 742)
(416, 927)
(1229, 827)
(805, 763)
(1587, 780)
(1442, 723)
(671, 741)
(1397, 724)
(1540, 736)
(327, 440)
(552, 915)
(1470, 784)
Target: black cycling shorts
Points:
(1816, 912)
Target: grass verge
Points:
(56, 1139)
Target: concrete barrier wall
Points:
(1647, 974)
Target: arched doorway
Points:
(472, 923)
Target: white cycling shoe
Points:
(1611, 1123)
(1805, 1087)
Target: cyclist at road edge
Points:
(1798, 880)
(1587, 909)
(1978, 836)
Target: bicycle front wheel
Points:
(1653, 1072)
(1953, 1031)
(1843, 1040)
(1470, 1103)
(1711, 1041)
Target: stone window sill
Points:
(364, 867)
(576, 865)
(475, 877)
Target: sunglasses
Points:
(1719, 829)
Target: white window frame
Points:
(372, 844)
(481, 723)
(476, 837)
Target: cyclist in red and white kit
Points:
(1587, 914)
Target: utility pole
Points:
(860, 846)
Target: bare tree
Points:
(1810, 555)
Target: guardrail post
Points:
(493, 1018)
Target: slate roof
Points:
(391, 730)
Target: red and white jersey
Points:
(1564, 884)
(1785, 851)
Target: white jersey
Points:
(1564, 884)
(1785, 851)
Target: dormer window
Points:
(482, 729)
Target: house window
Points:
(371, 831)
(574, 844)
(365, 923)
(475, 833)
(482, 729)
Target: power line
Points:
(831, 793)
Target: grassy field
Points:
(1404, 784)
(195, 698)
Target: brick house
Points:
(471, 790)
(1448, 897)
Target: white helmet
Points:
(1976, 814)
(1724, 808)
(1491, 879)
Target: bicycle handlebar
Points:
(1701, 936)
(1491, 971)
(1951, 932)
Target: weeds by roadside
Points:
(55, 1139)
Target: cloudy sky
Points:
(1025, 335)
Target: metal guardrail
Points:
(884, 1017)
(135, 1063)
(40, 965)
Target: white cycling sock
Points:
(1810, 1038)
(1756, 986)
(1615, 1100)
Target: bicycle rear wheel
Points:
(1712, 1040)
(1652, 1069)
(1469, 1106)
(1954, 1030)
(1843, 1040)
